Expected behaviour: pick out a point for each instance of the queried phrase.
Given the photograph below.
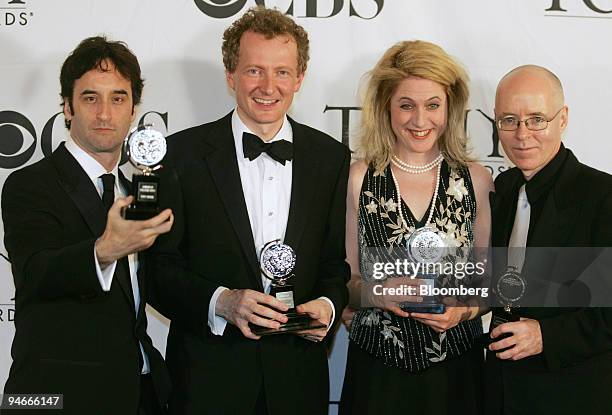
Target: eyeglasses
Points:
(536, 123)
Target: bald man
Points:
(546, 360)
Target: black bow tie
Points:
(253, 146)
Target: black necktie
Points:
(122, 272)
(253, 146)
(108, 186)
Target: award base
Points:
(429, 304)
(145, 190)
(499, 317)
(135, 212)
(425, 307)
(296, 322)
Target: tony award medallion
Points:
(424, 247)
(509, 289)
(277, 261)
(145, 148)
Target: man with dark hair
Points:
(98, 52)
(252, 177)
(552, 360)
(80, 323)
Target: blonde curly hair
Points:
(424, 60)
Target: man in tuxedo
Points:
(80, 323)
(249, 178)
(552, 360)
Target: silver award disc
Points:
(510, 286)
(147, 147)
(425, 246)
(277, 261)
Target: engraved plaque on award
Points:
(277, 261)
(145, 148)
(424, 247)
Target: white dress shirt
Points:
(94, 170)
(266, 185)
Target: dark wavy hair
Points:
(95, 53)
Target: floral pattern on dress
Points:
(450, 224)
(436, 354)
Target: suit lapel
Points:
(140, 272)
(303, 186)
(543, 262)
(125, 183)
(560, 209)
(86, 198)
(123, 277)
(80, 189)
(122, 272)
(220, 156)
(502, 203)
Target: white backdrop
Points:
(178, 43)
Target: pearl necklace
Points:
(433, 203)
(414, 169)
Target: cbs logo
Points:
(221, 9)
(19, 138)
(14, 128)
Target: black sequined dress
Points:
(397, 363)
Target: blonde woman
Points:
(414, 175)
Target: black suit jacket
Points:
(573, 374)
(71, 337)
(211, 245)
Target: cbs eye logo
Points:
(14, 130)
(18, 137)
(220, 9)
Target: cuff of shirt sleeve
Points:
(333, 316)
(217, 324)
(105, 276)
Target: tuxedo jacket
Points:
(573, 374)
(71, 337)
(211, 245)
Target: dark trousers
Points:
(148, 398)
(261, 407)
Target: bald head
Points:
(529, 101)
(533, 75)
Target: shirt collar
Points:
(92, 167)
(543, 180)
(239, 127)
